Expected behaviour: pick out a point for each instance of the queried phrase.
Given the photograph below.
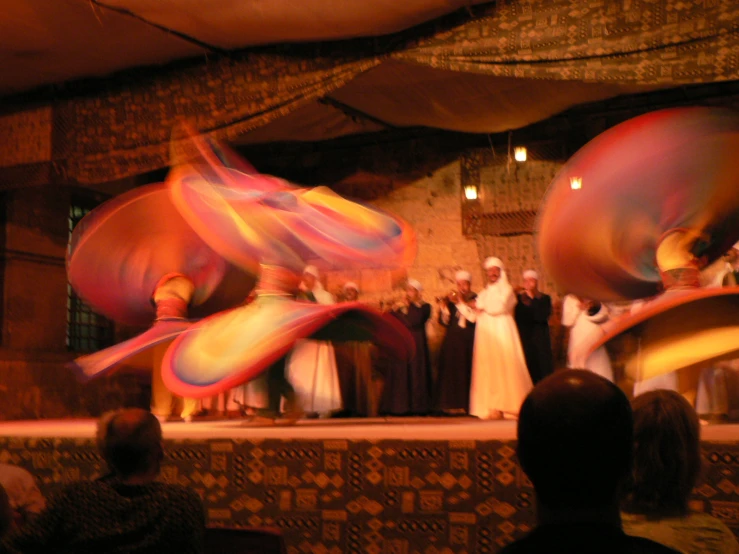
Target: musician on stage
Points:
(532, 313)
(355, 365)
(456, 313)
(408, 382)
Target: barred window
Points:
(87, 331)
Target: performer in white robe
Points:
(723, 272)
(311, 366)
(500, 379)
(584, 323)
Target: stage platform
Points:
(396, 485)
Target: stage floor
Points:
(398, 428)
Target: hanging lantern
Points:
(470, 192)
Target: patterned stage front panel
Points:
(333, 496)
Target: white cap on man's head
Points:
(415, 284)
(351, 285)
(312, 270)
(530, 274)
(462, 275)
(492, 261)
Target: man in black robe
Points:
(458, 315)
(532, 319)
(408, 382)
(354, 364)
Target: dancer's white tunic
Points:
(311, 369)
(500, 380)
(584, 331)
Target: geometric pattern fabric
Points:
(378, 497)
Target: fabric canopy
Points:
(403, 94)
(232, 24)
(490, 68)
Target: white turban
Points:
(530, 274)
(492, 261)
(415, 284)
(351, 285)
(312, 270)
(463, 276)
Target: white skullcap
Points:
(463, 276)
(530, 274)
(351, 285)
(312, 270)
(415, 284)
(736, 246)
(492, 261)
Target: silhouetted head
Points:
(132, 443)
(667, 457)
(575, 440)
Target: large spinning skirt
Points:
(234, 347)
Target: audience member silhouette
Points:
(575, 443)
(667, 462)
(128, 511)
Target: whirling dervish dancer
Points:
(137, 261)
(246, 216)
(657, 202)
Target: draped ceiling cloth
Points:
(483, 68)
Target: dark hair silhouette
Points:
(667, 458)
(132, 444)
